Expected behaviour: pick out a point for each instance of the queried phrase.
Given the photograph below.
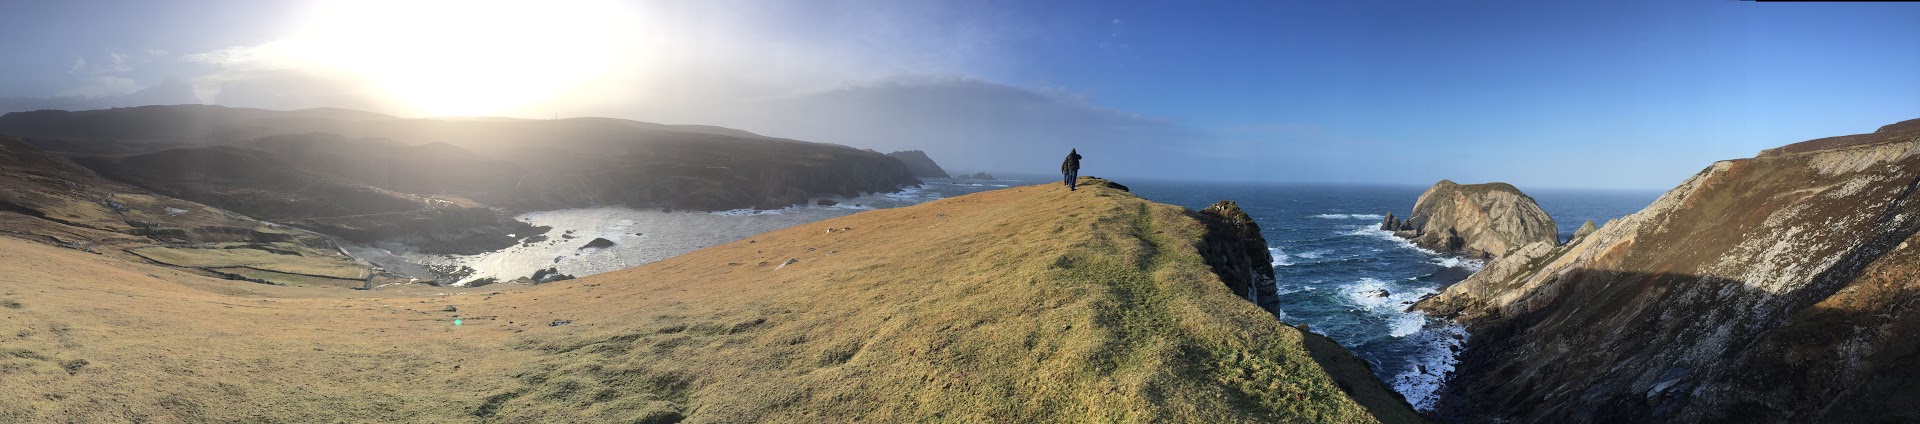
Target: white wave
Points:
(748, 212)
(1390, 302)
(1376, 232)
(1349, 216)
(1430, 367)
(1471, 265)
(1315, 254)
(1280, 258)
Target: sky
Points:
(1631, 95)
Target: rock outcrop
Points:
(1584, 230)
(1779, 288)
(1474, 220)
(919, 164)
(1237, 251)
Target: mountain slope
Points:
(520, 164)
(48, 199)
(1779, 288)
(1027, 304)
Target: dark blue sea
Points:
(1346, 279)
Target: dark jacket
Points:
(1072, 163)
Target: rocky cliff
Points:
(1236, 250)
(1475, 220)
(1779, 288)
(919, 164)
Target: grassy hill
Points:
(1029, 304)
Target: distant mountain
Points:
(919, 164)
(314, 163)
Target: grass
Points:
(312, 265)
(1030, 304)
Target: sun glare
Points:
(468, 58)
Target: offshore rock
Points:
(1772, 289)
(1584, 230)
(1474, 220)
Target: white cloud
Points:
(156, 52)
(79, 64)
(116, 62)
(103, 86)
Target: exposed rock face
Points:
(919, 164)
(1238, 253)
(976, 176)
(1475, 220)
(1584, 230)
(1773, 289)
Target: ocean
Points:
(1345, 278)
(1337, 272)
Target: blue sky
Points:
(1540, 94)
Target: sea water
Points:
(1345, 278)
(642, 236)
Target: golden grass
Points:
(194, 257)
(1030, 304)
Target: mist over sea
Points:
(1346, 279)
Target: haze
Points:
(1594, 94)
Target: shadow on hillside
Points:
(1653, 347)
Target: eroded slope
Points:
(1774, 289)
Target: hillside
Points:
(1027, 304)
(519, 164)
(1778, 288)
(48, 199)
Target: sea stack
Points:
(1474, 220)
(1798, 309)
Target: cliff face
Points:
(1475, 220)
(919, 164)
(1773, 289)
(1237, 251)
(1029, 304)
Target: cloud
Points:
(79, 64)
(156, 52)
(103, 86)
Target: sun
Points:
(468, 58)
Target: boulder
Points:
(597, 243)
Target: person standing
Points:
(1071, 169)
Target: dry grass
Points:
(1030, 304)
(313, 265)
